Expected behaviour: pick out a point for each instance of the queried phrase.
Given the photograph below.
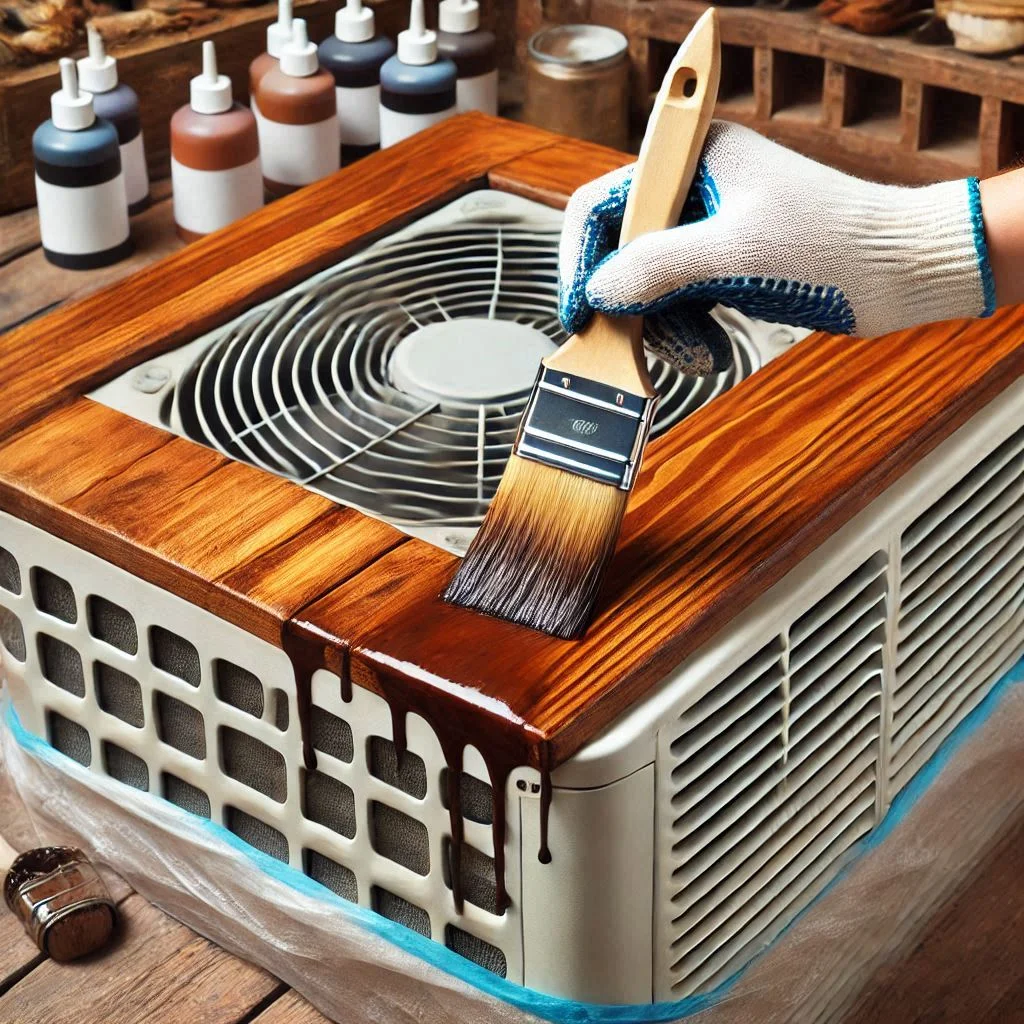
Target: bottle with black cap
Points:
(354, 55)
(117, 103)
(80, 191)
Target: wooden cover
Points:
(727, 503)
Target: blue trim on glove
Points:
(988, 284)
(573, 309)
(820, 307)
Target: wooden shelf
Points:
(882, 107)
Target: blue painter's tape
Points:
(550, 1008)
(988, 284)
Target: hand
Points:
(780, 238)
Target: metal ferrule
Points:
(586, 428)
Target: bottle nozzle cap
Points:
(458, 16)
(354, 23)
(299, 57)
(210, 91)
(71, 107)
(279, 33)
(98, 71)
(417, 45)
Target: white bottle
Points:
(117, 103)
(80, 193)
(300, 139)
(474, 52)
(215, 159)
(417, 89)
(279, 33)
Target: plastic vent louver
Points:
(961, 605)
(774, 778)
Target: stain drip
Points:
(544, 854)
(456, 726)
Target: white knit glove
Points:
(780, 238)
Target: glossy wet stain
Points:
(728, 501)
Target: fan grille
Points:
(305, 386)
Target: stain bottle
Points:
(117, 103)
(474, 52)
(80, 191)
(417, 89)
(299, 133)
(354, 56)
(278, 33)
(215, 161)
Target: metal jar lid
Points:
(586, 47)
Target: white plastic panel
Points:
(143, 686)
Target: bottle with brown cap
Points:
(300, 141)
(215, 162)
(278, 34)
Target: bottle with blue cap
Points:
(80, 189)
(354, 55)
(417, 87)
(473, 50)
(117, 103)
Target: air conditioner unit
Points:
(228, 595)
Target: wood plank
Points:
(30, 284)
(216, 278)
(551, 175)
(158, 971)
(969, 964)
(729, 501)
(249, 546)
(291, 1008)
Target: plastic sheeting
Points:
(357, 967)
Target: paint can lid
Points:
(458, 16)
(98, 71)
(71, 107)
(210, 91)
(354, 23)
(279, 33)
(299, 58)
(417, 45)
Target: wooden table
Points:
(967, 965)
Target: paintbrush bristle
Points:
(542, 551)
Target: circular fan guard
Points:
(301, 387)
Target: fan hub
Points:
(469, 361)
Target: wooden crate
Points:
(883, 107)
(159, 70)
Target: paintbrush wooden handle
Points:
(611, 349)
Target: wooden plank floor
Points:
(966, 967)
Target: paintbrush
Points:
(546, 541)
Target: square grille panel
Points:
(961, 605)
(773, 778)
(200, 712)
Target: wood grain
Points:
(967, 965)
(157, 971)
(291, 1008)
(214, 279)
(552, 174)
(729, 501)
(249, 546)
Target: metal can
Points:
(577, 83)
